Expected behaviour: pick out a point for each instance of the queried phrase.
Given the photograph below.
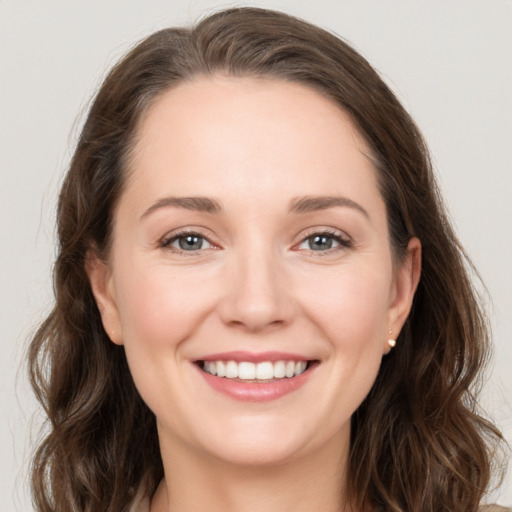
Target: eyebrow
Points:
(314, 203)
(303, 204)
(199, 204)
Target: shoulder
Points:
(494, 508)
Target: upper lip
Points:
(254, 357)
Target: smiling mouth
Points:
(249, 372)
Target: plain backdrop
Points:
(450, 62)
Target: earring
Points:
(391, 341)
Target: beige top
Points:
(141, 504)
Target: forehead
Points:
(248, 135)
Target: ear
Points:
(406, 280)
(102, 285)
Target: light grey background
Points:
(449, 61)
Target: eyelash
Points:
(166, 242)
(342, 240)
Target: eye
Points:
(322, 242)
(189, 242)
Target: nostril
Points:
(256, 302)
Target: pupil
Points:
(321, 242)
(190, 242)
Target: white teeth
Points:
(265, 371)
(300, 366)
(246, 370)
(231, 369)
(279, 369)
(221, 369)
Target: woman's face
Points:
(251, 240)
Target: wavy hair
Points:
(417, 441)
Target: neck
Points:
(194, 482)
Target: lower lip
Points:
(255, 391)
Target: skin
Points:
(254, 146)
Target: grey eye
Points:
(320, 242)
(190, 242)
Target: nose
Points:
(257, 295)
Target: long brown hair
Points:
(417, 443)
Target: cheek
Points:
(353, 305)
(354, 318)
(159, 307)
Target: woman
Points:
(260, 302)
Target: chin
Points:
(261, 441)
(257, 452)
